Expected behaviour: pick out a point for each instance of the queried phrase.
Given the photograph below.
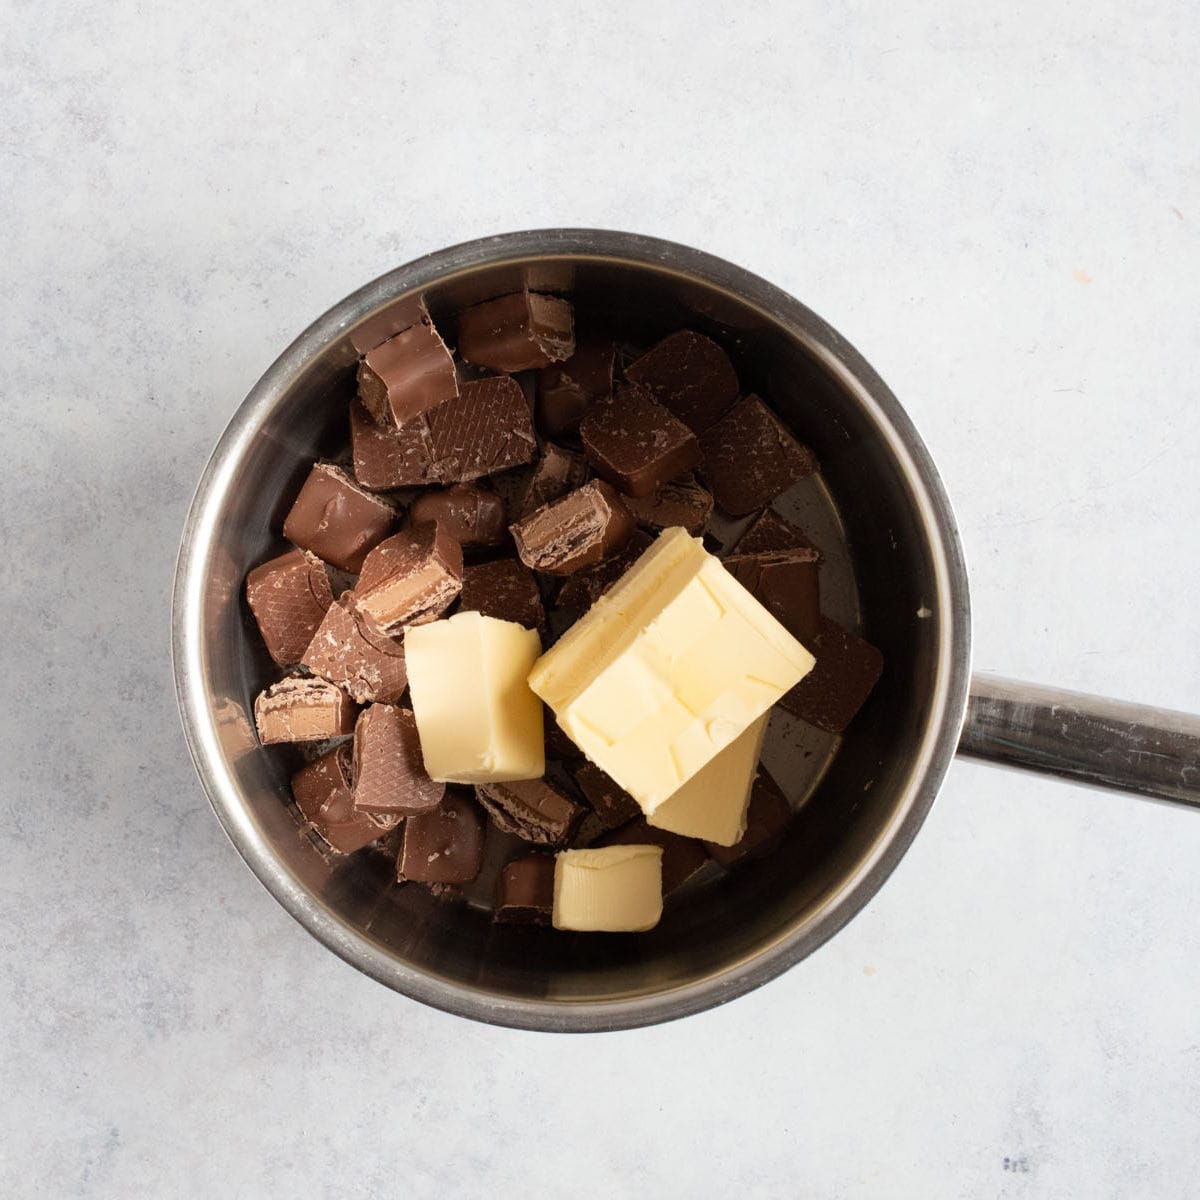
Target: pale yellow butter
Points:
(477, 720)
(667, 668)
(712, 804)
(616, 889)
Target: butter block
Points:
(712, 804)
(617, 889)
(667, 668)
(477, 720)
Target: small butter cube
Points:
(616, 889)
(712, 804)
(477, 720)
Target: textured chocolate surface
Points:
(766, 819)
(504, 589)
(556, 473)
(444, 845)
(299, 709)
(407, 375)
(750, 457)
(367, 665)
(689, 374)
(487, 428)
(637, 444)
(472, 515)
(288, 596)
(610, 802)
(769, 531)
(846, 670)
(785, 582)
(410, 578)
(517, 332)
(566, 390)
(582, 528)
(337, 519)
(685, 502)
(533, 809)
(682, 857)
(585, 587)
(323, 794)
(389, 773)
(525, 891)
(389, 458)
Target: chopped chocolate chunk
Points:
(766, 819)
(689, 374)
(785, 582)
(517, 332)
(389, 773)
(407, 375)
(610, 802)
(336, 519)
(533, 809)
(566, 390)
(680, 502)
(582, 528)
(411, 578)
(769, 532)
(444, 845)
(846, 670)
(525, 891)
(682, 856)
(750, 457)
(323, 794)
(470, 514)
(487, 428)
(558, 744)
(637, 444)
(288, 597)
(506, 590)
(585, 587)
(299, 709)
(557, 472)
(389, 458)
(361, 661)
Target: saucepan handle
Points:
(1133, 747)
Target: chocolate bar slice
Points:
(389, 773)
(445, 845)
(346, 650)
(390, 458)
(846, 670)
(610, 802)
(504, 589)
(487, 428)
(288, 596)
(323, 794)
(410, 578)
(407, 375)
(689, 374)
(557, 472)
(525, 891)
(517, 332)
(337, 519)
(471, 515)
(533, 809)
(300, 709)
(785, 581)
(566, 390)
(582, 528)
(682, 501)
(770, 532)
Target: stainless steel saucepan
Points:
(894, 566)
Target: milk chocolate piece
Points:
(299, 709)
(389, 774)
(346, 650)
(533, 809)
(689, 374)
(525, 891)
(682, 501)
(682, 857)
(470, 514)
(337, 519)
(567, 390)
(750, 457)
(445, 845)
(610, 802)
(766, 819)
(517, 332)
(557, 472)
(407, 375)
(390, 458)
(785, 581)
(835, 689)
(487, 428)
(409, 579)
(585, 587)
(323, 794)
(582, 528)
(637, 444)
(504, 589)
(288, 597)
(769, 532)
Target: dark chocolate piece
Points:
(566, 390)
(609, 800)
(470, 514)
(750, 457)
(411, 578)
(558, 744)
(682, 502)
(769, 532)
(525, 891)
(486, 428)
(682, 856)
(689, 374)
(407, 375)
(336, 519)
(517, 332)
(288, 596)
(323, 794)
(389, 773)
(766, 819)
(846, 670)
(583, 527)
(366, 664)
(300, 709)
(637, 444)
(390, 458)
(444, 845)
(585, 587)
(533, 809)
(785, 582)
(504, 589)
(557, 472)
